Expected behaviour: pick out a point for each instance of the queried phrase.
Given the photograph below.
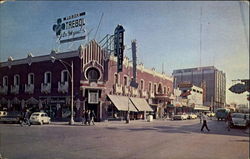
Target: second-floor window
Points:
(125, 80)
(5, 81)
(47, 77)
(31, 78)
(155, 88)
(150, 87)
(64, 76)
(165, 90)
(16, 80)
(116, 79)
(142, 84)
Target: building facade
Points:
(210, 79)
(44, 83)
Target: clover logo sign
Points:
(58, 27)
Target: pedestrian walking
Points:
(204, 119)
(92, 117)
(83, 117)
(228, 121)
(26, 118)
(88, 117)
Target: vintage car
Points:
(10, 117)
(39, 118)
(239, 119)
(192, 116)
(180, 117)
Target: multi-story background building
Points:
(210, 79)
(43, 83)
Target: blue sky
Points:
(166, 32)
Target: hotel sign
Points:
(70, 28)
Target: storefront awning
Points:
(122, 103)
(200, 107)
(141, 104)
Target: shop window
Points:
(16, 80)
(31, 78)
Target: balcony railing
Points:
(4, 90)
(14, 89)
(151, 94)
(125, 90)
(45, 88)
(143, 94)
(29, 88)
(134, 91)
(117, 89)
(63, 87)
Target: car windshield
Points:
(35, 114)
(238, 116)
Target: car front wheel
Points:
(41, 123)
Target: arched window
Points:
(142, 85)
(31, 78)
(64, 76)
(47, 77)
(125, 80)
(16, 80)
(116, 78)
(5, 81)
(93, 74)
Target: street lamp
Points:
(71, 122)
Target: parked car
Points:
(247, 118)
(210, 114)
(39, 118)
(192, 116)
(180, 117)
(239, 119)
(10, 117)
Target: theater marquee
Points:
(70, 28)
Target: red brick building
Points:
(43, 83)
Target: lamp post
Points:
(71, 122)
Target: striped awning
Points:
(122, 103)
(141, 104)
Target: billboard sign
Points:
(70, 28)
(238, 88)
(119, 46)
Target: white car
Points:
(239, 119)
(39, 118)
(180, 117)
(192, 116)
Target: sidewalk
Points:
(107, 123)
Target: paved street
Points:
(139, 139)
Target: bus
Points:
(221, 113)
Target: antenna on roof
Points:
(98, 25)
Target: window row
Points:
(31, 78)
(156, 87)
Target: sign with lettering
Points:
(70, 28)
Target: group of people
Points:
(88, 117)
